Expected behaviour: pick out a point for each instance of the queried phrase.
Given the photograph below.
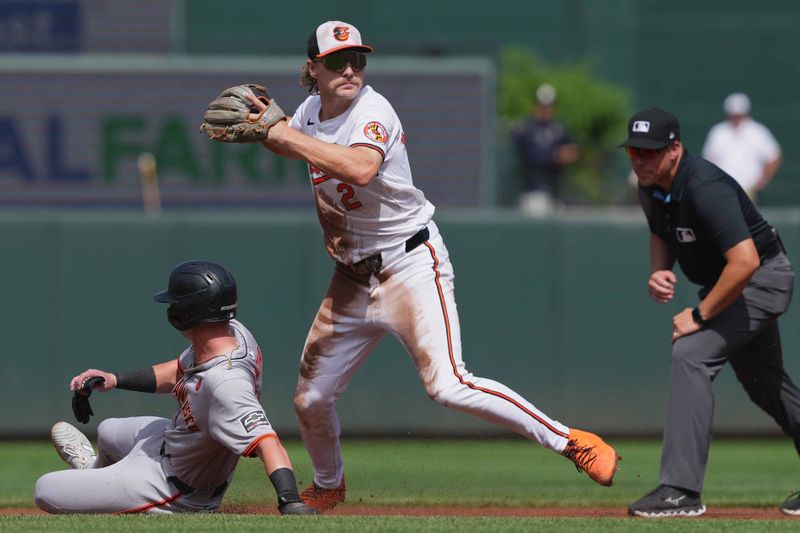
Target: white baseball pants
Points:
(413, 298)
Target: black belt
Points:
(417, 239)
(185, 488)
(373, 263)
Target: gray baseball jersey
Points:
(149, 464)
(220, 418)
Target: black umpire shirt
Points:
(705, 214)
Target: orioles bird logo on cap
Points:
(341, 33)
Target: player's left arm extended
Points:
(280, 473)
(356, 165)
(742, 262)
(273, 455)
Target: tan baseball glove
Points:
(232, 118)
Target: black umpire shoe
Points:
(791, 505)
(666, 501)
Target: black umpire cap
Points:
(652, 129)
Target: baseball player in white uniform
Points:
(155, 465)
(393, 273)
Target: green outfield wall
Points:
(555, 308)
(682, 55)
(111, 83)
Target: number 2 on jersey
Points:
(347, 196)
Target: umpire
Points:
(700, 216)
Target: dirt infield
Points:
(743, 513)
(731, 513)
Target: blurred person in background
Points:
(742, 147)
(545, 148)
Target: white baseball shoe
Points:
(72, 446)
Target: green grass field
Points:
(474, 473)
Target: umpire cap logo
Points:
(642, 126)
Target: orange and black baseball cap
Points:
(652, 129)
(335, 36)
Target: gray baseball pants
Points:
(746, 335)
(130, 476)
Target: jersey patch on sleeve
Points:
(253, 419)
(376, 131)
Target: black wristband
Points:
(698, 317)
(142, 380)
(285, 485)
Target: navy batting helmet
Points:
(199, 292)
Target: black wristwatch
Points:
(698, 317)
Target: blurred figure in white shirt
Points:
(742, 147)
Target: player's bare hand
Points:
(683, 324)
(661, 285)
(109, 383)
(258, 107)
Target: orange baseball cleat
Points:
(323, 499)
(592, 455)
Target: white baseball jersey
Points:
(220, 418)
(361, 221)
(411, 297)
(742, 151)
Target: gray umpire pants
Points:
(746, 334)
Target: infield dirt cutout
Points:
(731, 513)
